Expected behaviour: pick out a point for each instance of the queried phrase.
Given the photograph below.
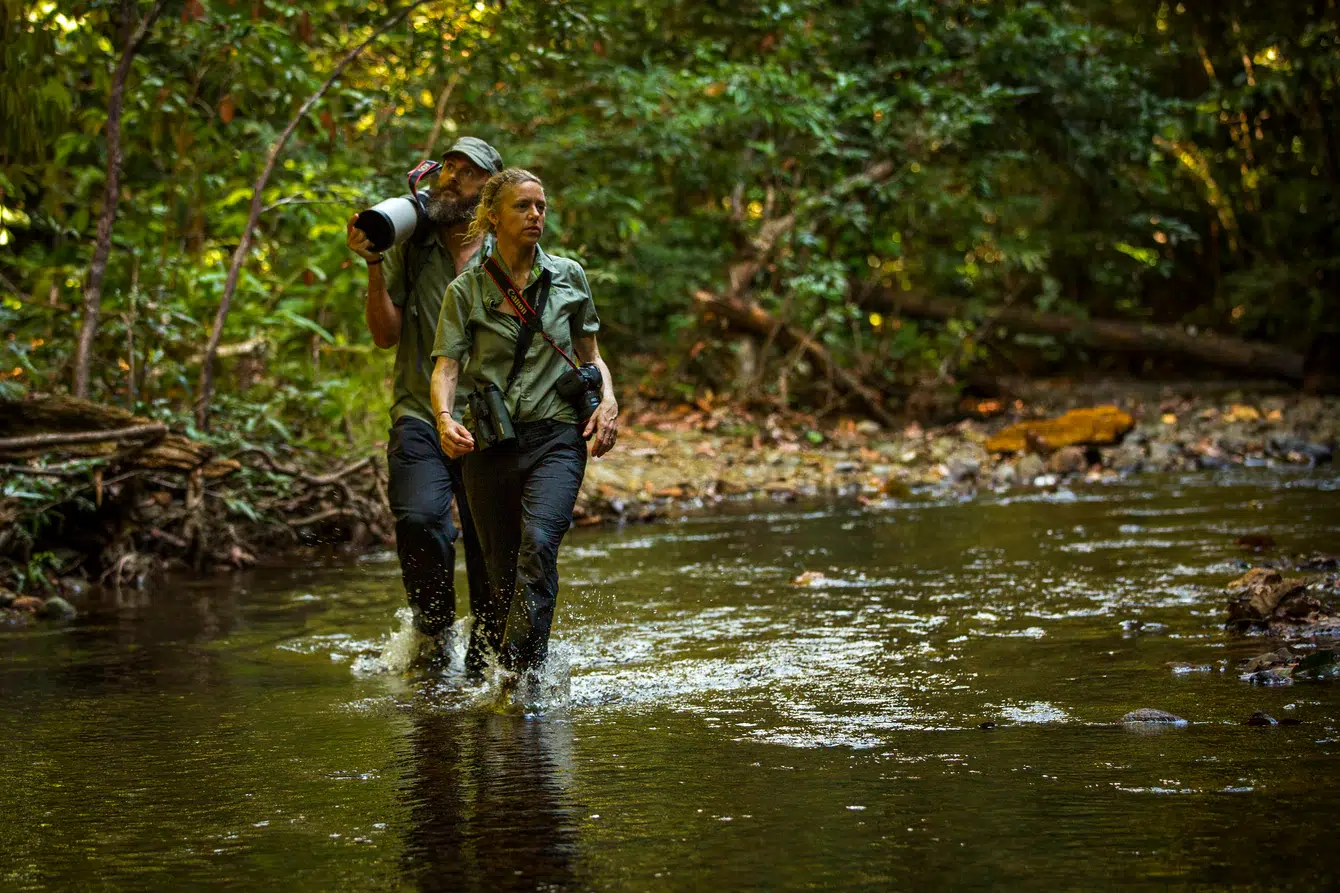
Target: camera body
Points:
(581, 387)
(390, 222)
(492, 423)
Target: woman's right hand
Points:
(455, 438)
(359, 244)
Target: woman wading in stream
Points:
(517, 338)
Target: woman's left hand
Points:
(605, 423)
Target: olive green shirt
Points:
(418, 320)
(472, 323)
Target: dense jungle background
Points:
(826, 163)
(841, 209)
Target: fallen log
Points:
(750, 317)
(1219, 351)
(60, 427)
(66, 438)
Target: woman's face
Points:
(519, 219)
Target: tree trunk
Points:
(102, 246)
(761, 246)
(1219, 351)
(750, 317)
(206, 388)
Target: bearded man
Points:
(404, 299)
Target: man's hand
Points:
(359, 244)
(455, 438)
(605, 423)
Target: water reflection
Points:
(490, 803)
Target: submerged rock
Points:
(57, 608)
(1271, 677)
(1264, 599)
(1261, 718)
(1151, 716)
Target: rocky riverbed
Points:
(694, 457)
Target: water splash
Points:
(405, 648)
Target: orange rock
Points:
(27, 603)
(1101, 424)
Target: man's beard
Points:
(445, 211)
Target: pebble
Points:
(1068, 460)
(1030, 467)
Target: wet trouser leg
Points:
(422, 483)
(522, 497)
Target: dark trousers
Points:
(423, 481)
(522, 495)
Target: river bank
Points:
(695, 456)
(250, 507)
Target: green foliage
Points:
(1096, 159)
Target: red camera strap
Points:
(524, 311)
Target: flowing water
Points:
(723, 727)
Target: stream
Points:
(716, 721)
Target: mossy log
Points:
(61, 427)
(1079, 427)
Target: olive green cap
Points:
(478, 151)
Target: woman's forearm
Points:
(589, 352)
(442, 387)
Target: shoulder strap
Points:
(526, 336)
(531, 319)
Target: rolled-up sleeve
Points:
(452, 339)
(585, 320)
(393, 274)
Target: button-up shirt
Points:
(472, 322)
(432, 269)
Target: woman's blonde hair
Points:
(490, 196)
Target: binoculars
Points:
(493, 424)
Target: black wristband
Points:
(372, 263)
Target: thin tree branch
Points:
(61, 438)
(102, 247)
(206, 389)
(440, 114)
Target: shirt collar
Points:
(493, 296)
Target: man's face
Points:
(455, 196)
